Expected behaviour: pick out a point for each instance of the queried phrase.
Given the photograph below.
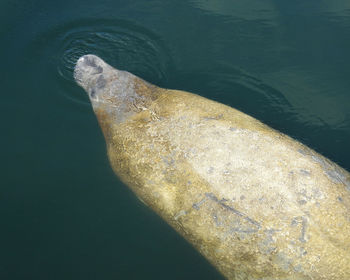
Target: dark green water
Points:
(64, 215)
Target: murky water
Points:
(64, 214)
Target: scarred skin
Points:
(255, 202)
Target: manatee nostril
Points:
(98, 70)
(90, 61)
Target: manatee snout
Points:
(105, 84)
(88, 73)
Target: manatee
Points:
(253, 201)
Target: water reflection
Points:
(300, 49)
(247, 10)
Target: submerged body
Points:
(256, 203)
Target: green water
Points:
(64, 215)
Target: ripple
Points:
(120, 43)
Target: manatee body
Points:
(256, 203)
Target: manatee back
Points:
(256, 203)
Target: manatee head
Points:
(110, 87)
(102, 82)
(115, 95)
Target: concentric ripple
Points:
(120, 43)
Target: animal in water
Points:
(253, 201)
